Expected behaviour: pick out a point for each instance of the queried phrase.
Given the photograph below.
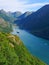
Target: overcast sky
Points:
(22, 5)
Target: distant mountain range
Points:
(16, 14)
(12, 16)
(5, 26)
(7, 19)
(5, 22)
(37, 23)
(25, 15)
(9, 16)
(5, 16)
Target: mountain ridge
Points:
(37, 22)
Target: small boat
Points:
(17, 32)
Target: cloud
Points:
(36, 4)
(19, 5)
(12, 5)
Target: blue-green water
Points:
(37, 46)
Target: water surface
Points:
(37, 46)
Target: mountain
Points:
(7, 19)
(5, 26)
(13, 52)
(16, 14)
(9, 16)
(25, 15)
(5, 16)
(37, 23)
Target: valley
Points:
(24, 37)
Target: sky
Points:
(22, 5)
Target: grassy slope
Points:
(13, 52)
